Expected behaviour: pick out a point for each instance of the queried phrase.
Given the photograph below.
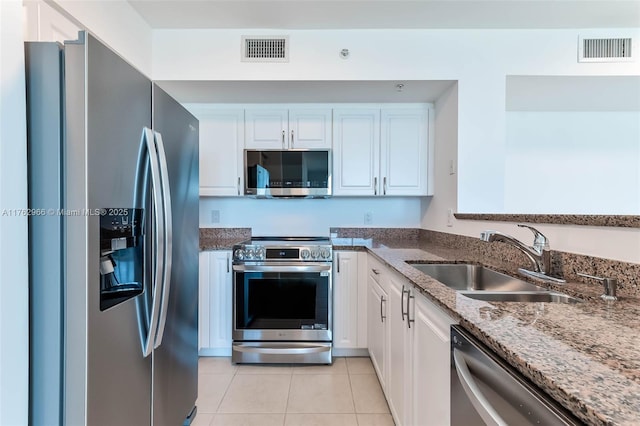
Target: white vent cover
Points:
(265, 49)
(605, 49)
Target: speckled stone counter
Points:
(585, 355)
(222, 238)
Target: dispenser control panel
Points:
(120, 228)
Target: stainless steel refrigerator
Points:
(113, 199)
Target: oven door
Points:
(282, 302)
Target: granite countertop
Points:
(585, 355)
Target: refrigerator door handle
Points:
(168, 235)
(148, 159)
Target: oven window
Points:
(276, 300)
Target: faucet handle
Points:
(539, 240)
(610, 285)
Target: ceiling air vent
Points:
(265, 49)
(604, 50)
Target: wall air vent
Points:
(605, 49)
(265, 49)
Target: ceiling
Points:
(389, 14)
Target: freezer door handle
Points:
(473, 392)
(148, 161)
(168, 236)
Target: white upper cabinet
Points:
(381, 151)
(404, 146)
(310, 128)
(221, 150)
(356, 150)
(288, 128)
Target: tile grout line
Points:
(233, 376)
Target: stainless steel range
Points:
(282, 300)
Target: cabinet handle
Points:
(283, 133)
(238, 185)
(409, 320)
(382, 317)
(338, 262)
(228, 258)
(402, 303)
(375, 185)
(375, 271)
(384, 186)
(292, 139)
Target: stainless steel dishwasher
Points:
(486, 390)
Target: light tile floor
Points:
(346, 393)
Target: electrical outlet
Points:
(215, 216)
(450, 217)
(368, 218)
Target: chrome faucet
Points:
(539, 253)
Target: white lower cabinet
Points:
(431, 366)
(215, 303)
(349, 302)
(409, 350)
(377, 323)
(399, 350)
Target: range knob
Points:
(238, 254)
(304, 253)
(315, 253)
(259, 253)
(249, 253)
(324, 253)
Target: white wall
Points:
(14, 284)
(565, 162)
(310, 216)
(612, 243)
(479, 59)
(117, 24)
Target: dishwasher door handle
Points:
(473, 392)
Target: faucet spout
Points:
(538, 253)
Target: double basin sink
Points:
(478, 282)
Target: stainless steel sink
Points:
(461, 277)
(521, 296)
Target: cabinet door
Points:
(377, 328)
(220, 300)
(345, 299)
(266, 128)
(214, 307)
(310, 128)
(431, 371)
(356, 150)
(44, 23)
(397, 386)
(221, 150)
(404, 156)
(203, 300)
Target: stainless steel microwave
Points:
(292, 173)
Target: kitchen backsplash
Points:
(222, 238)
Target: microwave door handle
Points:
(168, 235)
(473, 392)
(148, 322)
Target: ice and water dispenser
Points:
(121, 255)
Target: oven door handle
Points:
(281, 350)
(283, 268)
